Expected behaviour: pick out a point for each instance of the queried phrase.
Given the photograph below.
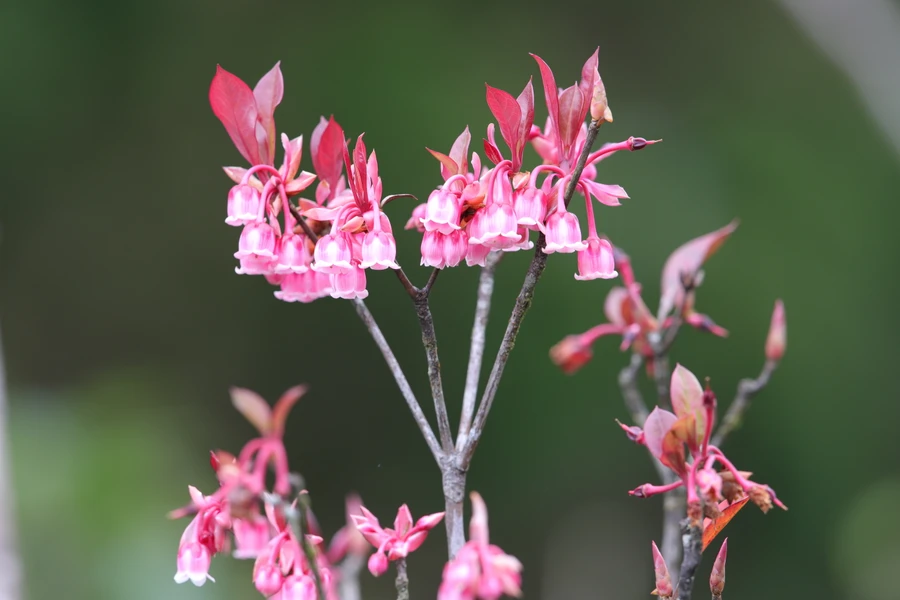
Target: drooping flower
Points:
(480, 569)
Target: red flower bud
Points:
(717, 577)
(777, 340)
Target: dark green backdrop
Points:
(124, 324)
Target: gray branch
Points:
(747, 389)
(476, 350)
(429, 341)
(10, 566)
(421, 420)
(692, 539)
(402, 581)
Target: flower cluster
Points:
(394, 544)
(480, 209)
(628, 314)
(259, 525)
(666, 434)
(321, 247)
(480, 569)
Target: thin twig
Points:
(10, 566)
(523, 303)
(476, 350)
(746, 390)
(348, 583)
(411, 290)
(402, 581)
(302, 221)
(430, 283)
(692, 539)
(394, 366)
(429, 341)
(634, 400)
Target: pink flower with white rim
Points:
(243, 205)
(395, 543)
(293, 254)
(596, 261)
(349, 285)
(480, 569)
(251, 535)
(333, 254)
(256, 249)
(443, 209)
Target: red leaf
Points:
(683, 431)
(571, 116)
(233, 103)
(283, 407)
(491, 151)
(588, 76)
(551, 95)
(254, 408)
(326, 147)
(449, 167)
(688, 259)
(687, 398)
(460, 151)
(526, 106)
(361, 172)
(506, 110)
(293, 152)
(268, 94)
(656, 427)
(717, 525)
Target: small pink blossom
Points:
(256, 249)
(333, 254)
(442, 212)
(480, 569)
(293, 254)
(350, 284)
(496, 227)
(416, 218)
(395, 543)
(243, 205)
(250, 536)
(596, 261)
(379, 251)
(530, 206)
(476, 254)
(193, 564)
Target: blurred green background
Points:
(124, 323)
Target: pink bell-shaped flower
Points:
(256, 249)
(298, 587)
(432, 250)
(243, 205)
(250, 536)
(415, 220)
(497, 227)
(456, 245)
(442, 212)
(349, 285)
(296, 287)
(293, 255)
(563, 233)
(523, 244)
(476, 254)
(379, 251)
(193, 563)
(268, 579)
(596, 261)
(530, 206)
(333, 254)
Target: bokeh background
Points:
(124, 324)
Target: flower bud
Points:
(717, 576)
(378, 564)
(571, 353)
(599, 105)
(663, 581)
(777, 340)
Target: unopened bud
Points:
(378, 564)
(571, 353)
(777, 340)
(717, 577)
(663, 581)
(599, 104)
(634, 433)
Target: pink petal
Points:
(403, 522)
(460, 150)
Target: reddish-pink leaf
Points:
(268, 94)
(254, 408)
(656, 427)
(672, 451)
(713, 529)
(232, 101)
(361, 174)
(688, 259)
(506, 110)
(571, 116)
(551, 95)
(283, 407)
(326, 147)
(459, 152)
(526, 107)
(449, 167)
(588, 78)
(613, 305)
(687, 398)
(491, 151)
(293, 152)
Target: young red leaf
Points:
(711, 530)
(688, 259)
(326, 147)
(233, 103)
(656, 427)
(551, 96)
(683, 431)
(283, 407)
(491, 151)
(526, 107)
(459, 152)
(254, 408)
(268, 94)
(293, 152)
(449, 167)
(361, 172)
(571, 116)
(687, 398)
(506, 110)
(589, 77)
